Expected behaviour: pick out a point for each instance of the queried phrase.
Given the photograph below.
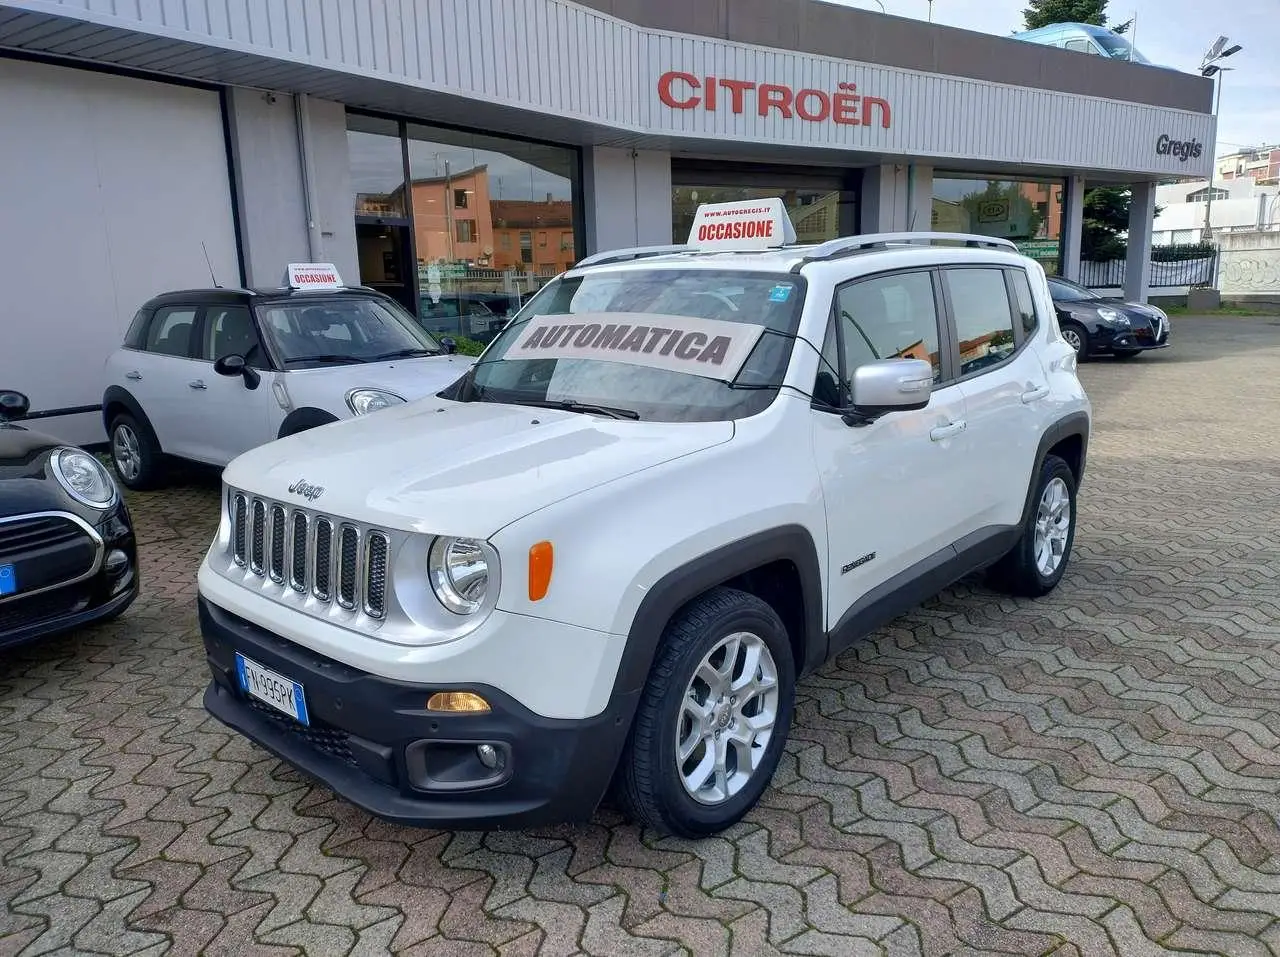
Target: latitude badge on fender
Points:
(306, 490)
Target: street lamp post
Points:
(1209, 67)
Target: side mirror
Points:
(889, 385)
(13, 405)
(450, 345)
(234, 365)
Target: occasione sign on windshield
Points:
(844, 105)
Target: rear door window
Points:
(170, 331)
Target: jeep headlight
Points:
(83, 477)
(364, 401)
(460, 570)
(1113, 318)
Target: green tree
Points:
(1043, 13)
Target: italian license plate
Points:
(8, 580)
(276, 690)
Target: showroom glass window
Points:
(461, 228)
(494, 220)
(1029, 212)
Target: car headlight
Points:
(364, 401)
(1113, 318)
(460, 571)
(83, 477)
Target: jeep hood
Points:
(442, 467)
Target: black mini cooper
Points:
(67, 550)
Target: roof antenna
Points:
(210, 265)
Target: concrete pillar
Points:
(897, 198)
(272, 176)
(1072, 227)
(628, 198)
(1142, 214)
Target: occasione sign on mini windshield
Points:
(702, 347)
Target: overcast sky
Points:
(1171, 32)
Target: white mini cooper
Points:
(205, 374)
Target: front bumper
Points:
(106, 594)
(372, 741)
(1140, 339)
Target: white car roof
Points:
(878, 252)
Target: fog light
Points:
(117, 561)
(489, 756)
(463, 701)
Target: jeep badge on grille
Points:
(306, 490)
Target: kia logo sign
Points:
(1183, 149)
(844, 105)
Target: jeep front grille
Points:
(295, 548)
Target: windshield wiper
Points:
(326, 357)
(571, 406)
(405, 354)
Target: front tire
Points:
(713, 718)
(135, 454)
(1034, 566)
(1077, 338)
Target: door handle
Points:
(197, 384)
(947, 431)
(1037, 393)
(133, 375)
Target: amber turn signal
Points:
(464, 701)
(541, 560)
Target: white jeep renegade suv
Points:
(676, 482)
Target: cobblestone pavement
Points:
(1093, 773)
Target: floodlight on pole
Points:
(1209, 67)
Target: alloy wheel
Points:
(125, 453)
(726, 719)
(1053, 526)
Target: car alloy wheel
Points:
(1053, 526)
(1074, 336)
(727, 717)
(713, 718)
(126, 453)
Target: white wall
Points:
(577, 63)
(628, 198)
(270, 184)
(108, 187)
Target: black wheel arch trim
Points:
(118, 395)
(681, 585)
(308, 417)
(1072, 425)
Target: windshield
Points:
(1064, 290)
(682, 345)
(1117, 47)
(309, 333)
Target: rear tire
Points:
(713, 718)
(135, 454)
(1034, 566)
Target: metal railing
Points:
(1200, 271)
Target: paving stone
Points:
(1094, 772)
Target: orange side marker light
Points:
(541, 560)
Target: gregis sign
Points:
(750, 224)
(843, 105)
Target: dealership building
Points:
(434, 148)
